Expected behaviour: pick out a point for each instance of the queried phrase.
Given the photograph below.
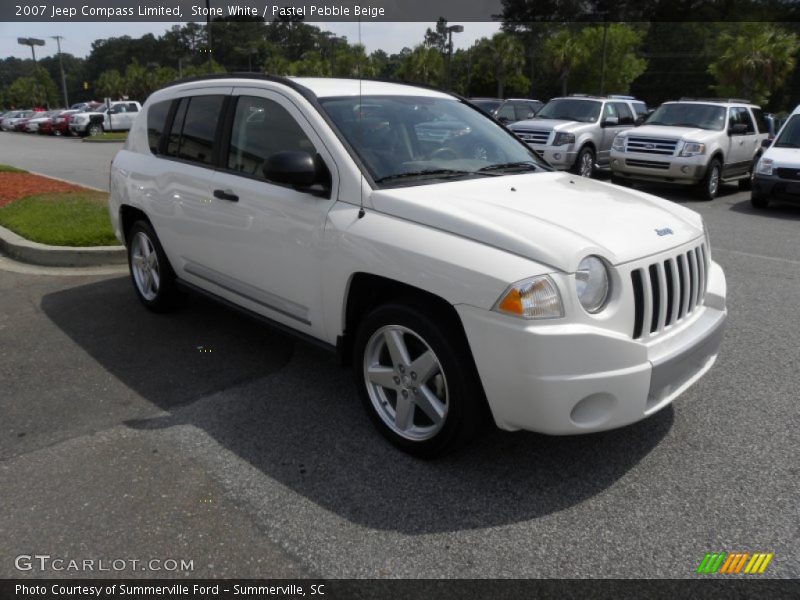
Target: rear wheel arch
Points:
(128, 215)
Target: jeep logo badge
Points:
(664, 231)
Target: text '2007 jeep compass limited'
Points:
(428, 245)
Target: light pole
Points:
(32, 42)
(333, 40)
(605, 45)
(58, 39)
(450, 31)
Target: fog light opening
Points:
(593, 410)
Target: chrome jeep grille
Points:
(533, 136)
(647, 145)
(667, 291)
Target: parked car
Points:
(700, 142)
(32, 124)
(58, 124)
(119, 117)
(462, 277)
(12, 118)
(777, 173)
(575, 132)
(517, 109)
(487, 105)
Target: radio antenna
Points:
(360, 125)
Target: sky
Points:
(78, 37)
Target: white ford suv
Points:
(459, 273)
(693, 142)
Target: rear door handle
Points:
(226, 195)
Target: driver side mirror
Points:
(295, 167)
(737, 129)
(610, 121)
(766, 143)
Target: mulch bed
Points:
(14, 186)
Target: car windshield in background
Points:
(790, 136)
(487, 106)
(407, 140)
(564, 109)
(698, 116)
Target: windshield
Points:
(697, 116)
(408, 140)
(569, 109)
(790, 134)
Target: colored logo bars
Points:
(734, 563)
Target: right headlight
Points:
(592, 284)
(533, 298)
(692, 149)
(619, 143)
(765, 166)
(562, 139)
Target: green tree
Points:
(311, 65)
(37, 89)
(422, 65)
(437, 38)
(577, 55)
(110, 84)
(753, 60)
(504, 57)
(562, 51)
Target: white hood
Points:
(784, 157)
(552, 218)
(669, 132)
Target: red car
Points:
(58, 124)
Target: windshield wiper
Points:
(431, 172)
(527, 166)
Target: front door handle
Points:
(226, 195)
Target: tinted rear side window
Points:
(174, 143)
(761, 121)
(199, 128)
(156, 119)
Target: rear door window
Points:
(194, 128)
(156, 120)
(761, 121)
(624, 113)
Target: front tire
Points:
(709, 186)
(152, 275)
(94, 129)
(417, 379)
(584, 163)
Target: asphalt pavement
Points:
(202, 436)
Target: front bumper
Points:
(776, 188)
(573, 378)
(659, 168)
(558, 157)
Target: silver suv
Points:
(693, 142)
(576, 132)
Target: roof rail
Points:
(719, 100)
(621, 97)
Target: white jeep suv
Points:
(693, 142)
(458, 273)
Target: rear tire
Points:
(417, 380)
(151, 274)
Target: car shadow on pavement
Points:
(685, 194)
(292, 412)
(776, 210)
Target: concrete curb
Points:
(18, 248)
(87, 140)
